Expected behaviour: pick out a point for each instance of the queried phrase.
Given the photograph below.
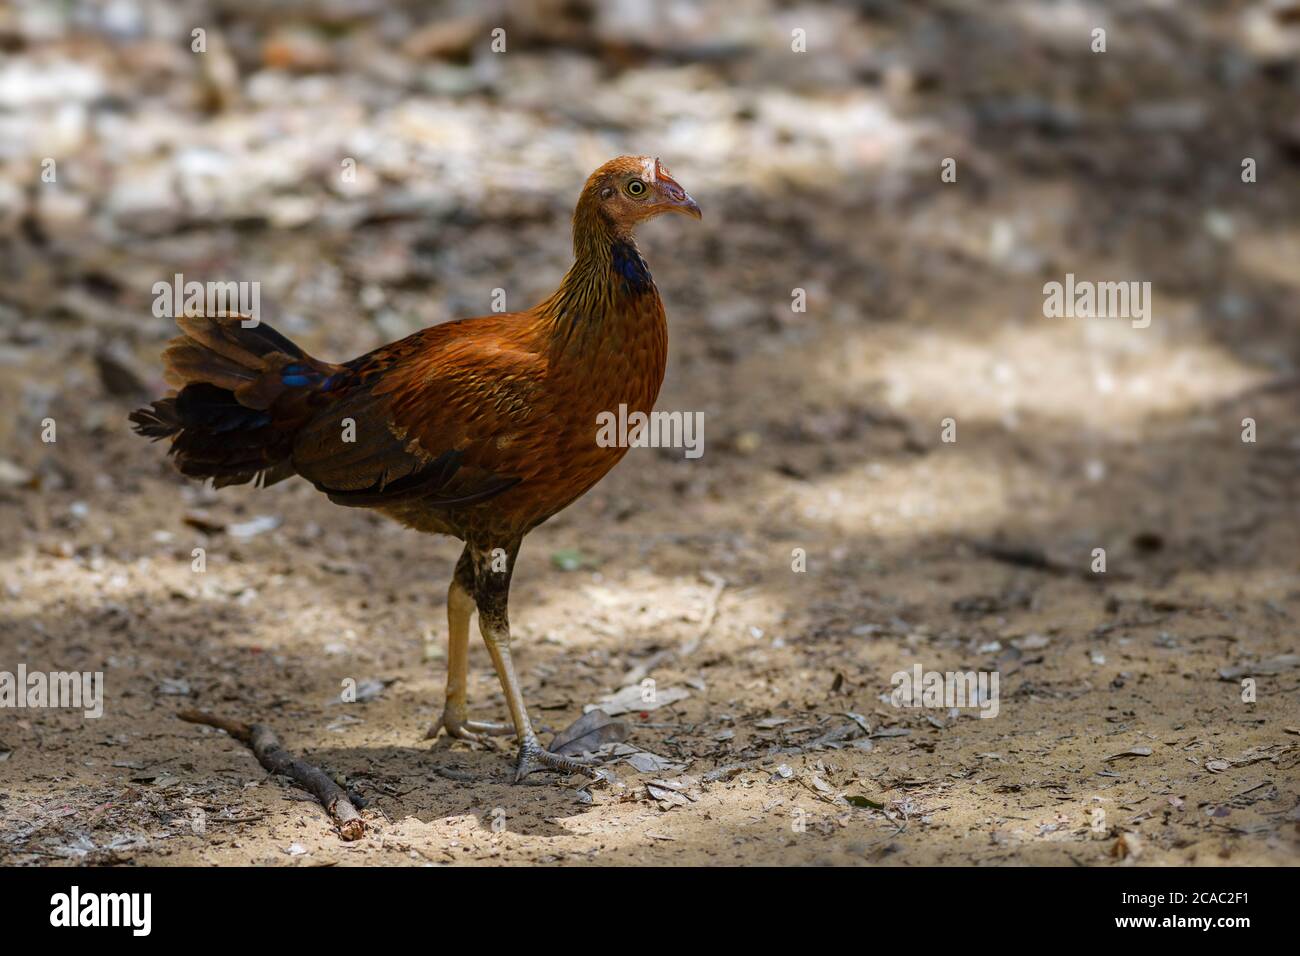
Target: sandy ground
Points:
(1122, 736)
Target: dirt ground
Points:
(1122, 735)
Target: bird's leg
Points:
(492, 593)
(455, 711)
(532, 756)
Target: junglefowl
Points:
(480, 428)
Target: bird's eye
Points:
(636, 188)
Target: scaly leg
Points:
(492, 592)
(455, 711)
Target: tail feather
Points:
(243, 393)
(229, 336)
(158, 420)
(186, 361)
(211, 410)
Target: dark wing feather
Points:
(426, 417)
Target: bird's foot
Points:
(532, 757)
(475, 731)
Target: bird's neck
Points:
(608, 295)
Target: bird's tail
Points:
(243, 393)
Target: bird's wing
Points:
(432, 417)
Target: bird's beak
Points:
(688, 206)
(674, 197)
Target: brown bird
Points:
(480, 428)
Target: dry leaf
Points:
(588, 733)
(645, 762)
(629, 700)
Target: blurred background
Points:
(378, 167)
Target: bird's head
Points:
(632, 189)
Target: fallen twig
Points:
(1037, 559)
(271, 754)
(710, 612)
(450, 773)
(642, 670)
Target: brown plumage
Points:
(481, 428)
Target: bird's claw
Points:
(532, 757)
(474, 731)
